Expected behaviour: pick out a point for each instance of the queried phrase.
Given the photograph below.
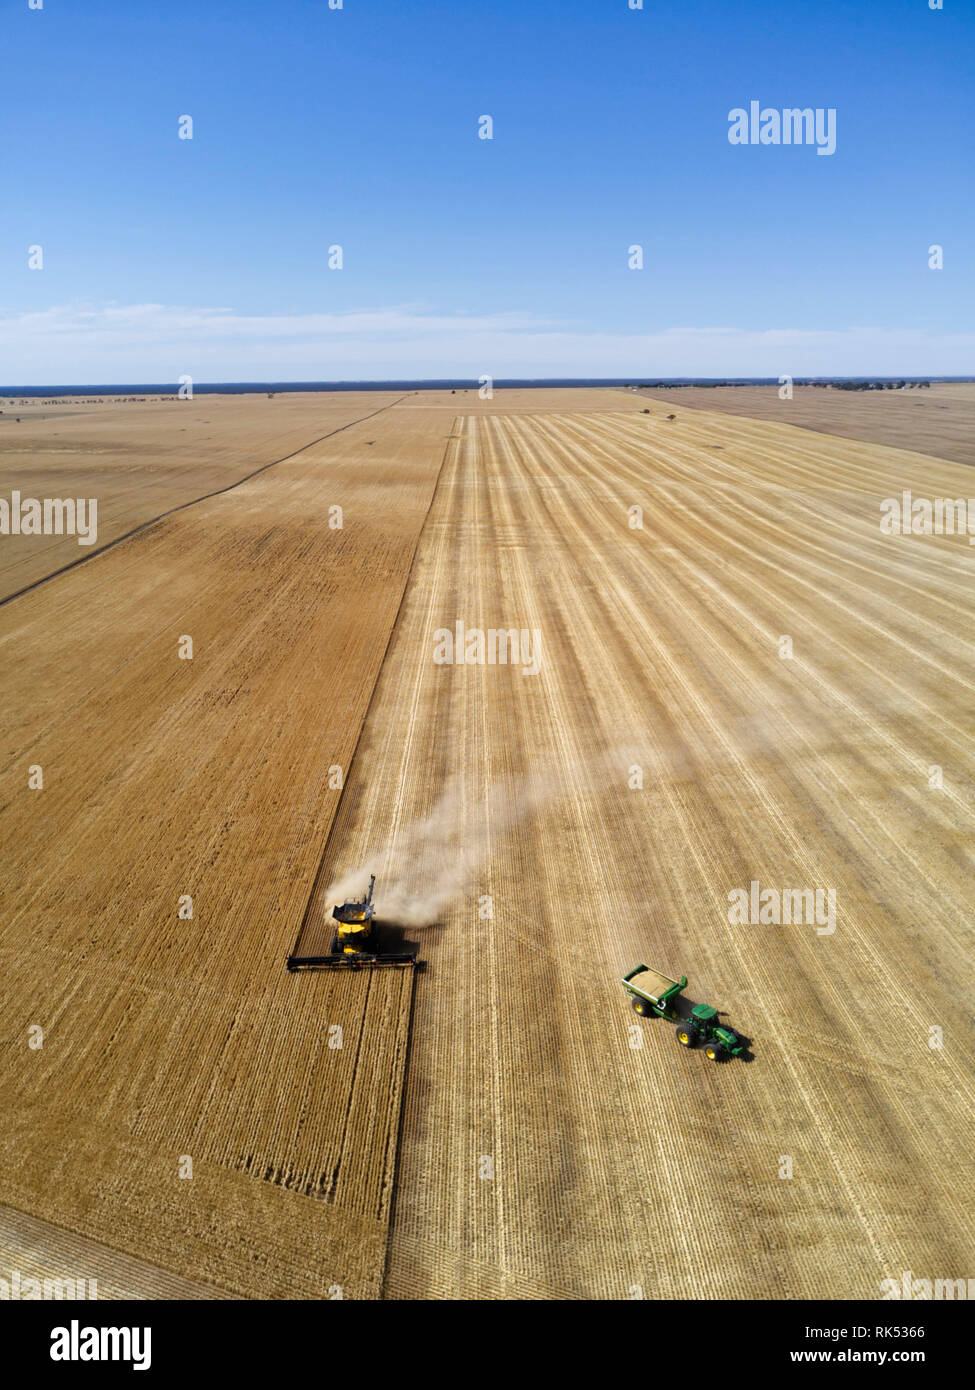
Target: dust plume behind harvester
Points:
(357, 942)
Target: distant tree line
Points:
(872, 385)
(839, 383)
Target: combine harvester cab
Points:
(357, 942)
(357, 933)
(657, 996)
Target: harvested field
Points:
(51, 1256)
(570, 400)
(140, 459)
(938, 420)
(544, 1153)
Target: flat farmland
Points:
(938, 420)
(169, 1038)
(140, 458)
(553, 1144)
(753, 685)
(50, 1255)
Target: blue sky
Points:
(462, 256)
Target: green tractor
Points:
(656, 996)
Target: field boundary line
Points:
(372, 694)
(182, 507)
(110, 1253)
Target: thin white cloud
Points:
(83, 343)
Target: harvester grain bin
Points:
(356, 932)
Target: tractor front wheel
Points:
(714, 1053)
(686, 1036)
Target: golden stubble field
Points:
(938, 420)
(551, 1144)
(148, 456)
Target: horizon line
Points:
(468, 383)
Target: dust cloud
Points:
(423, 866)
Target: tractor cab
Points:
(704, 1014)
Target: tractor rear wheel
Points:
(686, 1036)
(641, 1007)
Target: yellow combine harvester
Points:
(357, 940)
(357, 932)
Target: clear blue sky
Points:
(359, 127)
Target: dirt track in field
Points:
(938, 420)
(551, 1144)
